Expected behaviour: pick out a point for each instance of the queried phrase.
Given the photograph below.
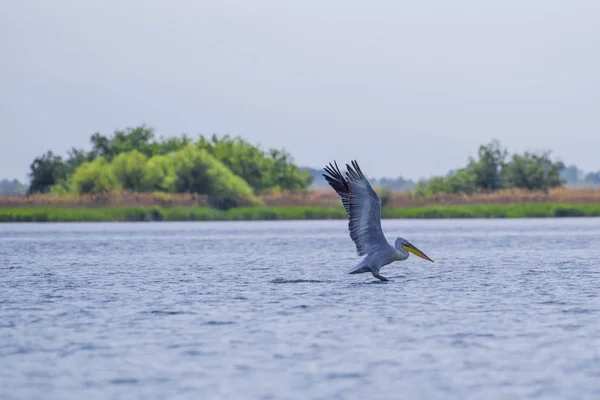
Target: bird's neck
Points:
(401, 254)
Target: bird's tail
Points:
(359, 269)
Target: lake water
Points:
(266, 310)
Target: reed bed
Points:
(320, 204)
(406, 199)
(112, 199)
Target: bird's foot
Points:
(380, 277)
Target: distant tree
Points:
(487, 169)
(533, 171)
(394, 184)
(101, 146)
(139, 138)
(46, 171)
(593, 177)
(76, 157)
(284, 174)
(12, 187)
(130, 168)
(571, 174)
(173, 144)
(94, 177)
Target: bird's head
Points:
(403, 244)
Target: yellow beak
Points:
(415, 251)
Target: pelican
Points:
(363, 207)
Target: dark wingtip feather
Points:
(337, 181)
(357, 168)
(335, 177)
(351, 172)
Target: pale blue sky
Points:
(406, 88)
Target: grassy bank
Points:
(46, 214)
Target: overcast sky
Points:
(406, 88)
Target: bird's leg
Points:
(382, 278)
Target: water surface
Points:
(265, 310)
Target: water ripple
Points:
(166, 310)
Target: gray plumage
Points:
(363, 207)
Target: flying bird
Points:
(363, 207)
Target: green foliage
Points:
(427, 188)
(173, 144)
(46, 171)
(284, 174)
(76, 157)
(533, 172)
(159, 174)
(139, 139)
(130, 170)
(488, 168)
(261, 170)
(94, 177)
(191, 165)
(462, 181)
(226, 189)
(227, 169)
(491, 172)
(199, 172)
(61, 188)
(51, 170)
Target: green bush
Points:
(261, 170)
(160, 174)
(199, 172)
(129, 149)
(94, 177)
(129, 169)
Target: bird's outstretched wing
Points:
(339, 184)
(362, 205)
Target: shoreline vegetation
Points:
(303, 205)
(139, 214)
(134, 175)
